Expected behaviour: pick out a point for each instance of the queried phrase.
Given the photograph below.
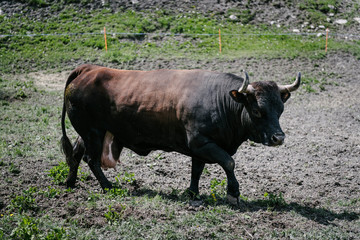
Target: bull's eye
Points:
(256, 113)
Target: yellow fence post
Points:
(105, 39)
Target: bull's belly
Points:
(142, 139)
(143, 149)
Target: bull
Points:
(202, 114)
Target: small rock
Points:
(322, 27)
(331, 6)
(341, 21)
(319, 34)
(312, 26)
(272, 22)
(356, 19)
(296, 30)
(331, 14)
(328, 19)
(233, 17)
(134, 1)
(1, 12)
(278, 25)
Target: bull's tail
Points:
(66, 145)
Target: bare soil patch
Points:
(46, 80)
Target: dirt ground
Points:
(316, 170)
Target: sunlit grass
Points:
(71, 37)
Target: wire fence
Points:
(338, 35)
(128, 46)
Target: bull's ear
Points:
(238, 97)
(285, 96)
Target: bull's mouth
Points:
(272, 144)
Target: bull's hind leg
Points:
(73, 162)
(93, 150)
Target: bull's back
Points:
(141, 108)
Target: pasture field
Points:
(308, 188)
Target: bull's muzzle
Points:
(277, 139)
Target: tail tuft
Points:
(67, 149)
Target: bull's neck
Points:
(234, 116)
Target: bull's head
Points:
(264, 104)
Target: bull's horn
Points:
(245, 84)
(291, 87)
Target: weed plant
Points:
(273, 200)
(59, 173)
(26, 229)
(24, 202)
(128, 178)
(51, 192)
(217, 191)
(114, 215)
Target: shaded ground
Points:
(316, 170)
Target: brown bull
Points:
(197, 113)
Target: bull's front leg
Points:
(197, 168)
(212, 153)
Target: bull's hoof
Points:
(196, 203)
(232, 200)
(235, 201)
(191, 194)
(106, 187)
(70, 183)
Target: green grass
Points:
(322, 6)
(25, 121)
(58, 51)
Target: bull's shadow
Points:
(319, 215)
